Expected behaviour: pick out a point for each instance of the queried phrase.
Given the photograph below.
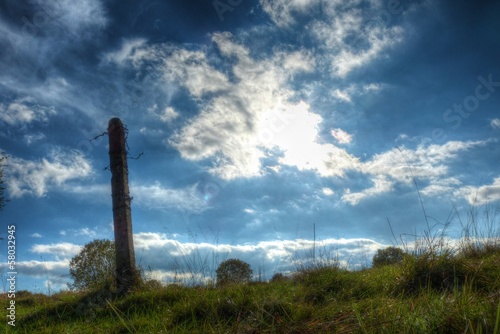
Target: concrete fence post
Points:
(126, 273)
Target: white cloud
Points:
(155, 196)
(27, 177)
(54, 273)
(246, 115)
(347, 94)
(190, 69)
(402, 165)
(24, 111)
(296, 133)
(31, 138)
(126, 53)
(495, 123)
(327, 191)
(341, 136)
(372, 87)
(249, 115)
(349, 41)
(296, 61)
(281, 11)
(342, 95)
(169, 114)
(439, 186)
(426, 161)
(347, 60)
(483, 194)
(86, 232)
(381, 185)
(43, 269)
(63, 250)
(345, 30)
(36, 235)
(228, 127)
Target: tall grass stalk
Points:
(497, 322)
(121, 317)
(360, 320)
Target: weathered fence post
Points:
(126, 274)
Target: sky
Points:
(272, 131)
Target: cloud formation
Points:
(350, 37)
(495, 123)
(24, 111)
(155, 196)
(400, 165)
(31, 177)
(483, 194)
(64, 250)
(246, 115)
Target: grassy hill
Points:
(432, 292)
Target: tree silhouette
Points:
(94, 267)
(233, 271)
(389, 255)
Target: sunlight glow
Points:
(295, 131)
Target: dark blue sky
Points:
(257, 119)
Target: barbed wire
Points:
(126, 131)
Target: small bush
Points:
(388, 256)
(94, 267)
(23, 293)
(278, 277)
(233, 271)
(440, 272)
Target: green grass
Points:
(428, 293)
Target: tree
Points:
(389, 255)
(278, 277)
(233, 271)
(94, 267)
(2, 182)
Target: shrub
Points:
(94, 267)
(441, 272)
(233, 271)
(388, 256)
(278, 277)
